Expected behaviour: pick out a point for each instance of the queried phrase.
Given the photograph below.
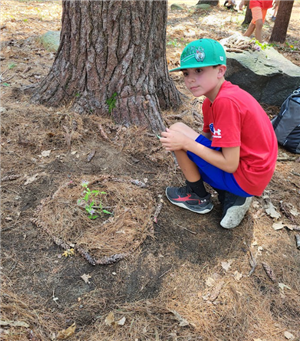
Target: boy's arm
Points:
(227, 159)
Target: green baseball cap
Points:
(201, 53)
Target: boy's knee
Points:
(178, 126)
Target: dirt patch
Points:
(182, 277)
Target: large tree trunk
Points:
(282, 21)
(210, 2)
(112, 59)
(248, 14)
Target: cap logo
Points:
(200, 55)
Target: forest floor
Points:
(177, 275)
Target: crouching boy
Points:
(237, 149)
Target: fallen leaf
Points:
(237, 275)
(271, 210)
(278, 226)
(122, 321)
(269, 272)
(294, 212)
(216, 291)
(110, 319)
(91, 155)
(226, 265)
(282, 286)
(86, 278)
(182, 322)
(46, 153)
(66, 333)
(210, 282)
(288, 335)
(31, 179)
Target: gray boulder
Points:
(203, 6)
(50, 40)
(176, 7)
(265, 74)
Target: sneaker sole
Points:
(179, 204)
(235, 215)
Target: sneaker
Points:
(185, 197)
(234, 210)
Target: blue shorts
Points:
(214, 176)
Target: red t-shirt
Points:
(234, 119)
(265, 4)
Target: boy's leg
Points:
(258, 15)
(234, 206)
(250, 30)
(193, 196)
(258, 30)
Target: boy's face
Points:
(204, 81)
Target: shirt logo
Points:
(217, 134)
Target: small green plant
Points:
(290, 46)
(174, 43)
(111, 102)
(261, 46)
(94, 209)
(12, 65)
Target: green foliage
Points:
(93, 208)
(12, 65)
(174, 42)
(262, 46)
(111, 102)
(291, 47)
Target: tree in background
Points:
(282, 21)
(112, 59)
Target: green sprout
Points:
(11, 65)
(174, 43)
(94, 209)
(111, 102)
(261, 46)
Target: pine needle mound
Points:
(109, 237)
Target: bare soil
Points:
(150, 271)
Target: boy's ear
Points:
(221, 71)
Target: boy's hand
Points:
(173, 140)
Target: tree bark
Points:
(248, 14)
(112, 60)
(282, 21)
(210, 2)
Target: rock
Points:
(176, 7)
(50, 40)
(266, 74)
(203, 6)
